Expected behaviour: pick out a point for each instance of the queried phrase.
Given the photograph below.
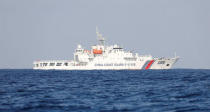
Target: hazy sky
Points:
(51, 29)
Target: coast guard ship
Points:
(102, 57)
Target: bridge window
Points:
(78, 50)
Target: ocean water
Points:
(175, 90)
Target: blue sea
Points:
(175, 90)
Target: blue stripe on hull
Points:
(143, 67)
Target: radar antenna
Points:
(100, 37)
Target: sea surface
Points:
(175, 90)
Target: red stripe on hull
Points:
(149, 64)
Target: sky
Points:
(51, 29)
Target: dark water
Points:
(105, 91)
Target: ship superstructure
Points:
(103, 57)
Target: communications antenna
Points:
(100, 37)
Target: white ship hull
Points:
(102, 57)
(138, 65)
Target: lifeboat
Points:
(96, 51)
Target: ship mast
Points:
(100, 37)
